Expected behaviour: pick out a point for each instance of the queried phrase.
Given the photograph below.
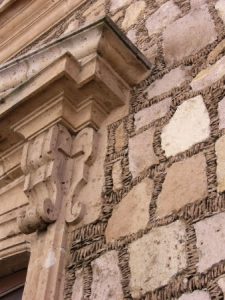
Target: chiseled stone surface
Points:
(220, 7)
(106, 282)
(117, 4)
(78, 293)
(185, 182)
(189, 125)
(210, 234)
(221, 283)
(132, 13)
(156, 257)
(196, 295)
(141, 152)
(169, 81)
(220, 171)
(221, 112)
(209, 75)
(132, 213)
(120, 138)
(166, 14)
(117, 175)
(152, 113)
(95, 11)
(188, 35)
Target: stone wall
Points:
(154, 225)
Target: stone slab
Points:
(220, 171)
(132, 13)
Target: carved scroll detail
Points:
(43, 163)
(82, 157)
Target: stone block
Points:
(220, 7)
(189, 125)
(165, 15)
(185, 182)
(209, 75)
(78, 293)
(106, 282)
(152, 113)
(151, 53)
(221, 283)
(118, 4)
(132, 13)
(120, 138)
(210, 234)
(221, 112)
(141, 152)
(220, 171)
(188, 35)
(156, 257)
(95, 10)
(132, 35)
(132, 213)
(169, 81)
(196, 295)
(117, 175)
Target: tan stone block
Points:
(132, 213)
(141, 152)
(78, 285)
(151, 53)
(156, 257)
(117, 176)
(132, 35)
(132, 13)
(210, 234)
(95, 10)
(220, 7)
(117, 4)
(221, 283)
(220, 171)
(106, 284)
(196, 295)
(221, 112)
(120, 138)
(185, 182)
(189, 125)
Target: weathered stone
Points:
(94, 11)
(106, 282)
(132, 13)
(196, 295)
(188, 35)
(141, 152)
(189, 125)
(209, 75)
(210, 234)
(117, 16)
(156, 257)
(220, 171)
(117, 4)
(117, 175)
(169, 81)
(221, 112)
(152, 113)
(132, 35)
(166, 14)
(151, 53)
(185, 182)
(216, 52)
(221, 283)
(78, 293)
(132, 213)
(220, 7)
(120, 138)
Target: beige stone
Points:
(106, 282)
(117, 4)
(132, 213)
(220, 7)
(185, 182)
(132, 13)
(156, 257)
(221, 283)
(221, 112)
(196, 295)
(188, 35)
(220, 171)
(120, 138)
(151, 53)
(95, 10)
(189, 125)
(152, 113)
(169, 81)
(209, 75)
(132, 35)
(78, 286)
(210, 234)
(117, 175)
(141, 152)
(165, 15)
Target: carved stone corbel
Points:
(43, 162)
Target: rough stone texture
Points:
(117, 175)
(156, 257)
(132, 35)
(141, 152)
(221, 112)
(132, 13)
(220, 7)
(120, 138)
(188, 35)
(132, 213)
(117, 4)
(151, 53)
(166, 14)
(210, 234)
(220, 172)
(209, 75)
(173, 79)
(196, 295)
(188, 126)
(152, 113)
(221, 283)
(96, 10)
(78, 286)
(106, 278)
(185, 182)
